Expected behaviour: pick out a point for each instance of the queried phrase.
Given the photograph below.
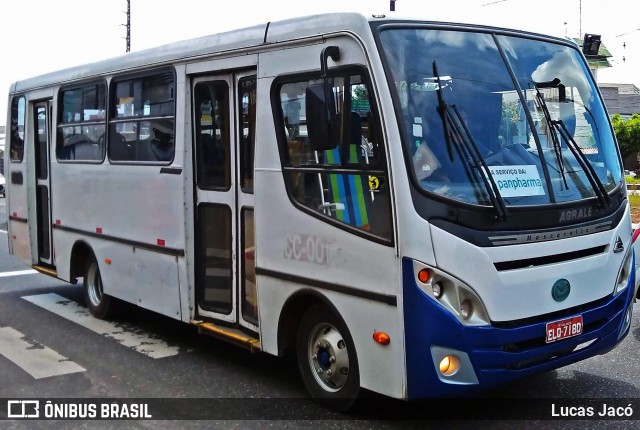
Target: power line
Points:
(628, 32)
(494, 2)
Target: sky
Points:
(40, 36)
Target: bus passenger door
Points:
(41, 142)
(224, 120)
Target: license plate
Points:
(563, 329)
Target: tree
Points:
(627, 133)
(360, 92)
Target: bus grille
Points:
(548, 259)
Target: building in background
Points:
(623, 99)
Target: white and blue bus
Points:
(413, 208)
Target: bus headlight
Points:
(457, 297)
(625, 272)
(466, 309)
(437, 290)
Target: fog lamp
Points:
(449, 365)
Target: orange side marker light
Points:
(381, 338)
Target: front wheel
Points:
(327, 359)
(100, 305)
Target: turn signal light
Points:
(381, 338)
(423, 276)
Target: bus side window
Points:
(348, 184)
(212, 135)
(82, 123)
(142, 119)
(16, 134)
(246, 133)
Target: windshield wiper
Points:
(588, 169)
(456, 132)
(558, 126)
(557, 149)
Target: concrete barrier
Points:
(633, 189)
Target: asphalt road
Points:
(67, 354)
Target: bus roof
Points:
(244, 38)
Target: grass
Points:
(634, 200)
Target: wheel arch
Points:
(291, 314)
(80, 254)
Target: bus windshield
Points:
(500, 120)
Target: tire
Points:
(100, 305)
(327, 359)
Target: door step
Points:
(45, 270)
(232, 335)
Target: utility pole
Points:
(128, 25)
(580, 12)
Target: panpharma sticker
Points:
(517, 181)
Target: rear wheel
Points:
(100, 305)
(327, 359)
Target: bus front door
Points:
(224, 135)
(41, 145)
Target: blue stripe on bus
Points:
(343, 198)
(353, 203)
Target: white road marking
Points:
(36, 359)
(17, 273)
(124, 334)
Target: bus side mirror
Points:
(322, 122)
(322, 119)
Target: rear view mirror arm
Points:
(333, 52)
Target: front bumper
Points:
(502, 352)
